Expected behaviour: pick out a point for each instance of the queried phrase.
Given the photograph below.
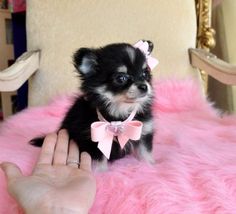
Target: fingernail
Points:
(85, 154)
(62, 130)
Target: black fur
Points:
(99, 67)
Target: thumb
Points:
(11, 170)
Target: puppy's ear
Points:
(85, 61)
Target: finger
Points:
(73, 155)
(85, 161)
(11, 170)
(47, 151)
(61, 150)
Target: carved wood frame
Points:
(205, 33)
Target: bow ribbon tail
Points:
(100, 134)
(132, 130)
(105, 145)
(123, 139)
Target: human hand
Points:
(54, 186)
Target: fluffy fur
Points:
(115, 80)
(194, 148)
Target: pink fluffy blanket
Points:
(194, 149)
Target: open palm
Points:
(56, 183)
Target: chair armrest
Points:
(14, 77)
(217, 68)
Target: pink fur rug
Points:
(194, 149)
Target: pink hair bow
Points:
(143, 46)
(103, 132)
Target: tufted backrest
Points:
(58, 28)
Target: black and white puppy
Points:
(115, 80)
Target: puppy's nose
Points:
(142, 87)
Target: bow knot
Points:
(103, 132)
(116, 127)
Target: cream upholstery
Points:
(229, 39)
(224, 22)
(58, 28)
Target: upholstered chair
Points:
(194, 145)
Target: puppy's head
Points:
(116, 77)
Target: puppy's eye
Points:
(145, 74)
(121, 79)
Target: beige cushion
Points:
(58, 28)
(229, 18)
(226, 33)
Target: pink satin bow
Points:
(143, 46)
(103, 132)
